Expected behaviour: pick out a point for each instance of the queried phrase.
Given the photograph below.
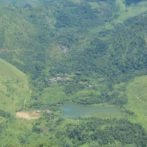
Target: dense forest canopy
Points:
(83, 58)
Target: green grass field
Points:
(14, 88)
(137, 99)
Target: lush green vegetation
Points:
(89, 53)
(14, 88)
(137, 98)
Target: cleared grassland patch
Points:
(137, 99)
(14, 88)
(9, 71)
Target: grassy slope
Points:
(137, 99)
(14, 89)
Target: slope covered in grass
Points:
(137, 99)
(14, 89)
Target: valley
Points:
(73, 73)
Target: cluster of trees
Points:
(56, 131)
(83, 16)
(96, 130)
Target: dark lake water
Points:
(77, 110)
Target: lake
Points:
(78, 110)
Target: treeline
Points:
(103, 133)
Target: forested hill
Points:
(66, 37)
(86, 52)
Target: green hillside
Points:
(137, 99)
(14, 88)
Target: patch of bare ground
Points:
(28, 115)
